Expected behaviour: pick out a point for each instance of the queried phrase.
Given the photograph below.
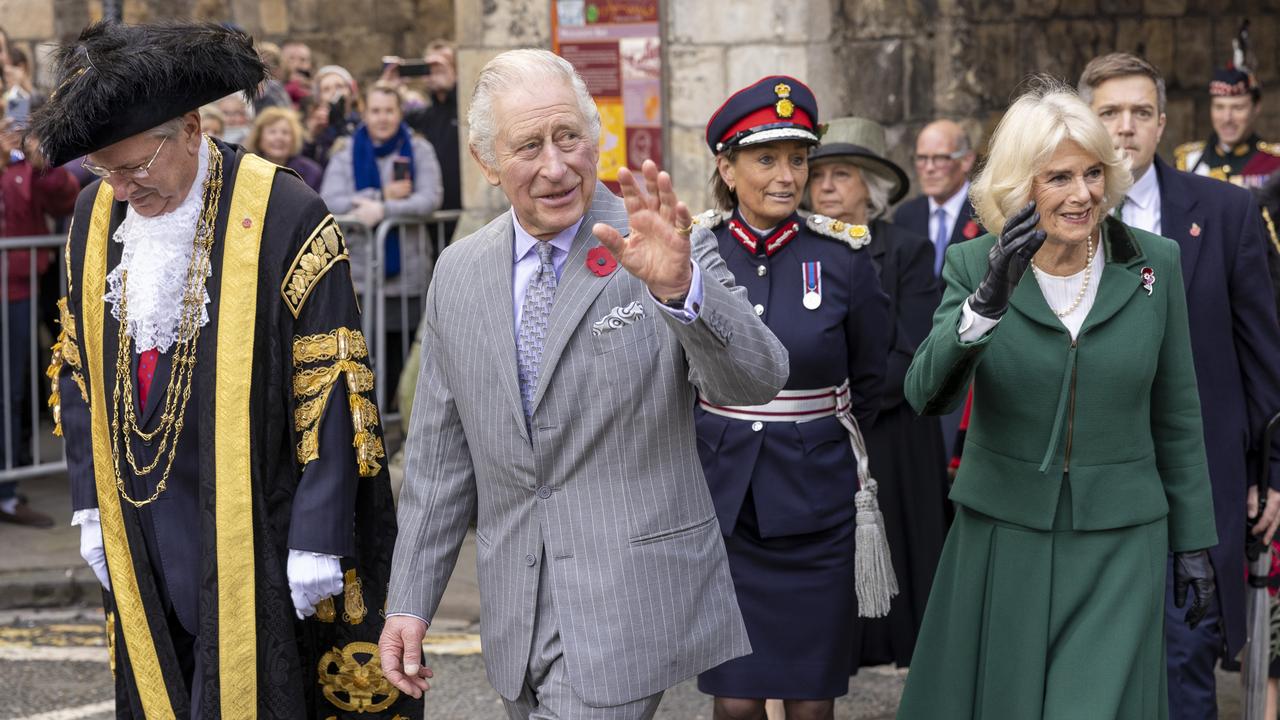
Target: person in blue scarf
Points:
(361, 177)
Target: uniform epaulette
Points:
(710, 219)
(1181, 153)
(1269, 148)
(322, 250)
(855, 236)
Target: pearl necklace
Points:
(1084, 286)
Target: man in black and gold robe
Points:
(214, 391)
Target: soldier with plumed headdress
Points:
(1234, 152)
(213, 387)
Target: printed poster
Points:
(616, 46)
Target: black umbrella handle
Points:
(1254, 544)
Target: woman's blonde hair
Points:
(1024, 141)
(270, 116)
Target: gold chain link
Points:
(178, 390)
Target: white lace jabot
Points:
(157, 253)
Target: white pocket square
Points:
(618, 317)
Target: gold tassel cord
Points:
(65, 351)
(345, 350)
(354, 609)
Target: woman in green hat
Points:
(852, 181)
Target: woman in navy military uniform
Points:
(783, 475)
(851, 180)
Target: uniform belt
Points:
(874, 579)
(790, 406)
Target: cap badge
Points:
(784, 107)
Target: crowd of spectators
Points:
(386, 152)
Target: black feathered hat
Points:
(119, 80)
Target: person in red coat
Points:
(31, 193)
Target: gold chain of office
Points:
(124, 421)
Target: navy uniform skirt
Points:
(797, 598)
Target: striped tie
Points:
(533, 325)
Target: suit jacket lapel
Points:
(1029, 300)
(1121, 275)
(1178, 215)
(497, 314)
(957, 232)
(578, 286)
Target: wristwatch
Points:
(675, 303)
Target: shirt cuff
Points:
(692, 301)
(391, 615)
(972, 325)
(80, 517)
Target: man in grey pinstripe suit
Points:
(568, 422)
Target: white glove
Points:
(312, 578)
(91, 547)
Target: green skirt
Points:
(1025, 624)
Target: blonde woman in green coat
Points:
(1084, 464)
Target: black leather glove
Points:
(1007, 262)
(1193, 570)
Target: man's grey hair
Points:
(525, 68)
(168, 128)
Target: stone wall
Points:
(965, 59)
(902, 62)
(352, 33)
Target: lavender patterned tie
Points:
(533, 325)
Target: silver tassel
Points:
(874, 580)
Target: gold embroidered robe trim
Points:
(323, 249)
(134, 622)
(345, 350)
(353, 685)
(233, 436)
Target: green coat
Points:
(1084, 464)
(1118, 407)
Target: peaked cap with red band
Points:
(778, 107)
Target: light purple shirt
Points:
(525, 265)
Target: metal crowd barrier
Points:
(46, 456)
(406, 292)
(387, 306)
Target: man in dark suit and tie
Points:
(943, 159)
(1235, 342)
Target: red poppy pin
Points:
(1195, 230)
(970, 230)
(1148, 279)
(601, 262)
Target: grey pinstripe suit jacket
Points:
(609, 486)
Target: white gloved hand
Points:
(312, 578)
(92, 548)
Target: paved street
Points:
(54, 665)
(53, 656)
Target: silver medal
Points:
(812, 300)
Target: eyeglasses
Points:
(939, 160)
(137, 172)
